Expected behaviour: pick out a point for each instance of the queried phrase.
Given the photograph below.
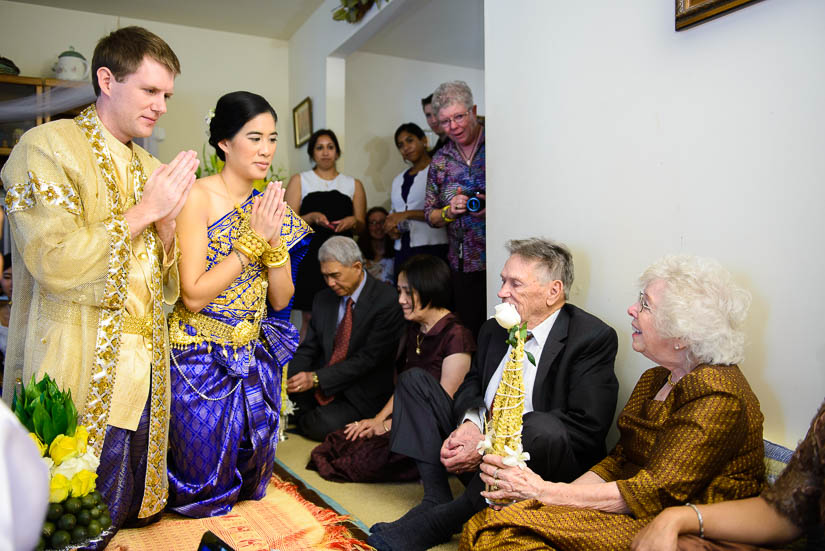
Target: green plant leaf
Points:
(59, 418)
(523, 331)
(530, 357)
(512, 342)
(40, 418)
(71, 415)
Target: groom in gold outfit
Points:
(93, 220)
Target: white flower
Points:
(517, 457)
(288, 407)
(49, 464)
(74, 465)
(506, 315)
(485, 445)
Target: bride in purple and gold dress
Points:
(229, 341)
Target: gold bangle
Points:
(444, 215)
(275, 257)
(247, 252)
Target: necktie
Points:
(339, 347)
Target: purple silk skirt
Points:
(224, 420)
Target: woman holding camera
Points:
(456, 188)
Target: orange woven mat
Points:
(283, 520)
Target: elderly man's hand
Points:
(459, 453)
(300, 382)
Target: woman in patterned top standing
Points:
(227, 353)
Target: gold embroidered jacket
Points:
(81, 284)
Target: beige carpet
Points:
(367, 503)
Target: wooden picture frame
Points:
(302, 122)
(694, 12)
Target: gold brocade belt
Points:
(210, 330)
(69, 312)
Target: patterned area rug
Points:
(290, 517)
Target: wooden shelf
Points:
(10, 88)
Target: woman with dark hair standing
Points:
(228, 353)
(436, 345)
(406, 222)
(331, 202)
(377, 247)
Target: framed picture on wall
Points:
(302, 122)
(694, 12)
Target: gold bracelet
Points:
(444, 215)
(247, 252)
(275, 257)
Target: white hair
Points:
(449, 93)
(340, 249)
(701, 305)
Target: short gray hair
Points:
(702, 306)
(449, 93)
(340, 249)
(554, 257)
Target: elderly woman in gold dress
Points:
(691, 430)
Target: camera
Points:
(476, 203)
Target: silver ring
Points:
(495, 473)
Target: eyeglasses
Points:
(643, 303)
(458, 119)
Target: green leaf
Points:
(523, 331)
(39, 418)
(71, 415)
(59, 418)
(530, 357)
(512, 342)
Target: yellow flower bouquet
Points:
(76, 512)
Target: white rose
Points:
(68, 468)
(49, 464)
(89, 461)
(506, 315)
(74, 465)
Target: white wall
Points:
(212, 64)
(382, 93)
(626, 140)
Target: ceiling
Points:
(269, 18)
(440, 31)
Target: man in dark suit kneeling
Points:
(570, 399)
(343, 370)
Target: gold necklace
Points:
(228, 194)
(418, 338)
(670, 379)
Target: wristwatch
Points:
(315, 382)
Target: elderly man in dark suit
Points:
(343, 370)
(570, 399)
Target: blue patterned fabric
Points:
(122, 470)
(225, 401)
